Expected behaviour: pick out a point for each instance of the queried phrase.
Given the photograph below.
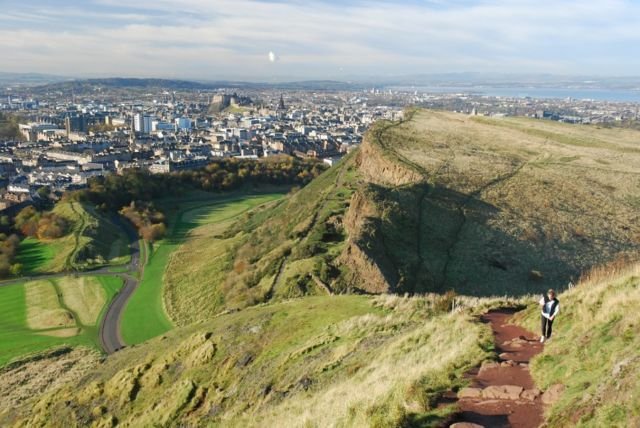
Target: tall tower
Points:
(281, 105)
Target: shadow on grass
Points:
(32, 255)
(434, 239)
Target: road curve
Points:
(110, 325)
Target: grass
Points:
(144, 316)
(337, 367)
(594, 351)
(34, 255)
(93, 241)
(84, 296)
(44, 307)
(495, 200)
(37, 315)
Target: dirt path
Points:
(502, 394)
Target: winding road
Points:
(109, 332)
(110, 326)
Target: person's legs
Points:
(544, 328)
(549, 328)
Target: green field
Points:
(30, 313)
(144, 316)
(93, 241)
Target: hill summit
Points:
(437, 202)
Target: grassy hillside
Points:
(351, 360)
(183, 262)
(38, 315)
(440, 201)
(501, 205)
(93, 241)
(281, 250)
(594, 351)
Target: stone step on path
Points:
(500, 392)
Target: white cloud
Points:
(228, 38)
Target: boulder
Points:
(465, 425)
(502, 392)
(470, 393)
(553, 393)
(488, 365)
(504, 356)
(530, 394)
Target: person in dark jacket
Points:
(550, 306)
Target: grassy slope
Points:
(339, 366)
(93, 241)
(501, 198)
(198, 266)
(594, 352)
(268, 253)
(17, 339)
(35, 255)
(144, 316)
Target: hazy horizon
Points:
(322, 39)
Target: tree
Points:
(16, 269)
(153, 232)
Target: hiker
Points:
(550, 306)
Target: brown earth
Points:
(502, 393)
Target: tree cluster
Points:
(42, 225)
(231, 174)
(113, 192)
(8, 250)
(148, 221)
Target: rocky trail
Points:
(502, 393)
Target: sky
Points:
(268, 40)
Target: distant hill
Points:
(28, 79)
(89, 85)
(79, 86)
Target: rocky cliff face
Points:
(371, 268)
(380, 168)
(368, 272)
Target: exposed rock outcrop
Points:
(363, 254)
(378, 167)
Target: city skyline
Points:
(271, 41)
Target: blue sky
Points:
(231, 39)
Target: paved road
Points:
(110, 327)
(110, 338)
